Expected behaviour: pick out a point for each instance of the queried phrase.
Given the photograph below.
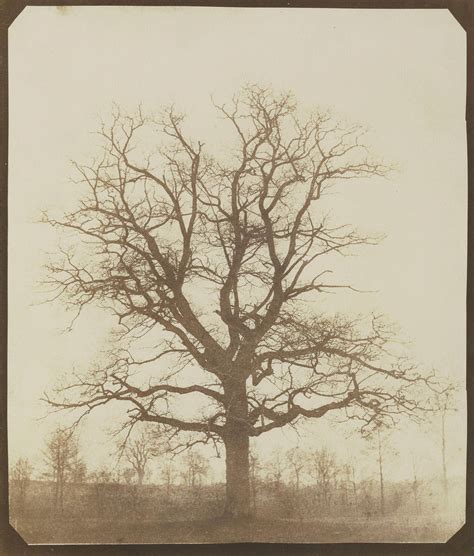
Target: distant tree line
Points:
(293, 483)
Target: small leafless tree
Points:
(349, 484)
(20, 481)
(324, 469)
(381, 475)
(196, 469)
(380, 437)
(78, 473)
(138, 453)
(275, 472)
(296, 463)
(127, 475)
(354, 484)
(158, 226)
(415, 484)
(276, 477)
(445, 404)
(168, 474)
(60, 456)
(366, 498)
(296, 460)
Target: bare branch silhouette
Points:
(159, 230)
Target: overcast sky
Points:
(400, 72)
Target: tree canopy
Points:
(215, 258)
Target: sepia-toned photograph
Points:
(237, 247)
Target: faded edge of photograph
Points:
(237, 251)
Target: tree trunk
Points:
(61, 495)
(253, 484)
(354, 486)
(415, 486)
(56, 493)
(443, 452)
(382, 496)
(237, 477)
(237, 445)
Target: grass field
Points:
(131, 514)
(72, 531)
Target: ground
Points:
(422, 529)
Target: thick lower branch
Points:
(195, 388)
(278, 420)
(191, 426)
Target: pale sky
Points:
(401, 72)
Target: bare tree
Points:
(139, 452)
(297, 463)
(380, 435)
(381, 477)
(366, 498)
(20, 481)
(161, 226)
(444, 404)
(196, 469)
(345, 484)
(78, 471)
(354, 484)
(296, 460)
(415, 484)
(168, 473)
(127, 475)
(324, 469)
(60, 456)
(275, 471)
(349, 484)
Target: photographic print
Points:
(237, 275)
